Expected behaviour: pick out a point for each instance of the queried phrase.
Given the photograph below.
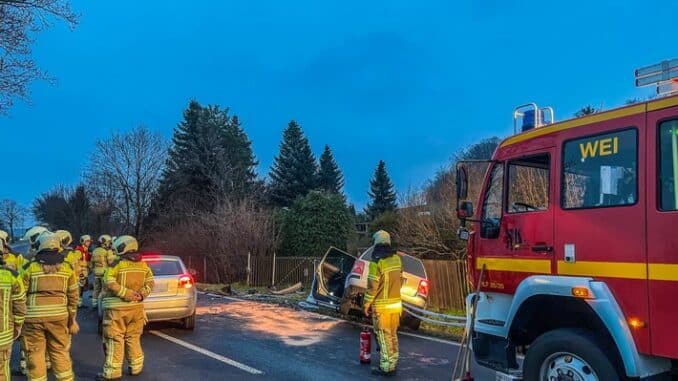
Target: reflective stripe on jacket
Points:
(101, 259)
(383, 284)
(123, 280)
(50, 296)
(13, 302)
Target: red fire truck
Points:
(576, 235)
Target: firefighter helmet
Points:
(4, 237)
(48, 242)
(125, 244)
(105, 241)
(382, 238)
(85, 238)
(33, 233)
(65, 237)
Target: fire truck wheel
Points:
(569, 354)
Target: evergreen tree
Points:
(382, 193)
(330, 178)
(197, 170)
(293, 173)
(240, 156)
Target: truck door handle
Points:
(542, 248)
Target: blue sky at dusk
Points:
(408, 82)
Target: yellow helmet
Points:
(85, 238)
(105, 240)
(48, 242)
(4, 237)
(33, 233)
(65, 237)
(125, 244)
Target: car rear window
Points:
(164, 267)
(411, 264)
(414, 266)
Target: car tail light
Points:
(150, 258)
(423, 288)
(358, 268)
(185, 281)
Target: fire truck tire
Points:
(573, 351)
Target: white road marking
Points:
(207, 353)
(321, 316)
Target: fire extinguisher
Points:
(365, 346)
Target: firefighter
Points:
(32, 235)
(72, 257)
(52, 295)
(126, 283)
(12, 311)
(83, 248)
(383, 297)
(102, 257)
(10, 260)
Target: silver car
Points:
(340, 283)
(174, 295)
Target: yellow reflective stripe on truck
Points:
(623, 270)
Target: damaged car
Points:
(340, 283)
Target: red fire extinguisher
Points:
(365, 346)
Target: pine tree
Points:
(240, 156)
(197, 169)
(382, 193)
(330, 178)
(293, 173)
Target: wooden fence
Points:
(288, 271)
(448, 285)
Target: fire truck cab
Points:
(576, 236)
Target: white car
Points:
(174, 295)
(340, 283)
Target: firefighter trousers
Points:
(96, 290)
(122, 339)
(5, 356)
(386, 333)
(48, 339)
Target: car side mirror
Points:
(462, 183)
(465, 210)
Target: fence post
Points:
(273, 273)
(204, 268)
(249, 268)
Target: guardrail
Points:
(430, 317)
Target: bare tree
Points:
(20, 20)
(12, 214)
(124, 172)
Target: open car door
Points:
(330, 277)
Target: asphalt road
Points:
(243, 340)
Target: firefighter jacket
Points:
(73, 258)
(13, 302)
(13, 262)
(84, 256)
(101, 259)
(52, 292)
(384, 281)
(123, 280)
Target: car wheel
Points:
(188, 323)
(410, 322)
(572, 354)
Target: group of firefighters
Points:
(40, 297)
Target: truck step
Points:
(497, 323)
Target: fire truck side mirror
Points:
(462, 183)
(465, 210)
